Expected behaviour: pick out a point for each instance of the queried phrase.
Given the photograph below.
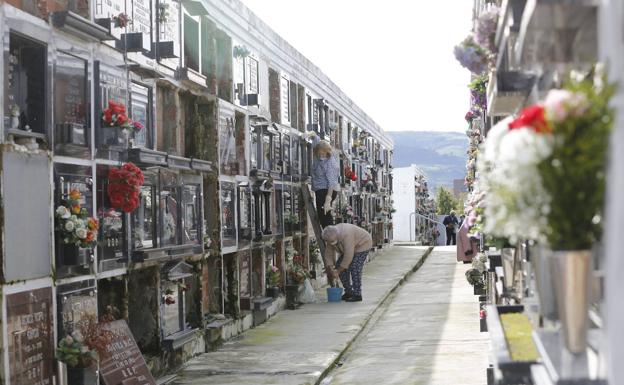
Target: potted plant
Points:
(77, 356)
(274, 279)
(296, 275)
(315, 257)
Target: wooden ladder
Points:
(318, 231)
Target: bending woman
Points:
(325, 184)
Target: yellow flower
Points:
(74, 194)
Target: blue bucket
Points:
(334, 294)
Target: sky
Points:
(394, 58)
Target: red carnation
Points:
(108, 116)
(124, 186)
(121, 120)
(533, 117)
(118, 108)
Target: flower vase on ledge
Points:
(571, 273)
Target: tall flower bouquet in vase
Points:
(545, 173)
(73, 223)
(124, 187)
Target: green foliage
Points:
(314, 252)
(74, 353)
(574, 175)
(474, 277)
(274, 277)
(445, 201)
(479, 84)
(291, 218)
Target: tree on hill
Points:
(445, 201)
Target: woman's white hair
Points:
(323, 145)
(330, 233)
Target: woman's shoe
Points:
(346, 296)
(354, 298)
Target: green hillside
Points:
(442, 155)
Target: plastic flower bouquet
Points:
(485, 28)
(544, 171)
(115, 116)
(74, 225)
(74, 353)
(124, 187)
(472, 56)
(273, 276)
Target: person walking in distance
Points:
(352, 243)
(451, 223)
(325, 183)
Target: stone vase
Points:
(273, 292)
(572, 270)
(508, 256)
(543, 266)
(15, 122)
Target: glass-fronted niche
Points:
(73, 189)
(112, 85)
(168, 220)
(263, 206)
(245, 278)
(76, 302)
(71, 106)
(177, 305)
(286, 154)
(266, 149)
(232, 155)
(25, 84)
(246, 79)
(112, 236)
(228, 214)
(245, 217)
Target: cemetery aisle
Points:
(427, 334)
(298, 347)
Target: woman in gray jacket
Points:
(325, 183)
(352, 243)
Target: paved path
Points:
(298, 347)
(428, 333)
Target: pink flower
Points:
(561, 103)
(137, 126)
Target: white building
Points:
(412, 204)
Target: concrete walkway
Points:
(298, 347)
(427, 334)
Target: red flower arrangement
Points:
(115, 116)
(532, 117)
(349, 174)
(121, 21)
(124, 186)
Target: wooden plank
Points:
(318, 231)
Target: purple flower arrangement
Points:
(472, 56)
(485, 28)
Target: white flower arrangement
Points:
(516, 201)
